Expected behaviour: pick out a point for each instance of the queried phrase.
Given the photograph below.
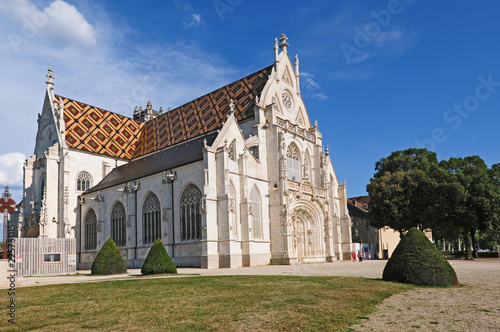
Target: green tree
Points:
(416, 261)
(472, 208)
(109, 260)
(402, 191)
(158, 260)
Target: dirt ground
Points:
(474, 306)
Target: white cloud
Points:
(57, 24)
(113, 74)
(310, 88)
(308, 81)
(11, 169)
(195, 20)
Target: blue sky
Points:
(378, 76)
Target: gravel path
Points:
(475, 306)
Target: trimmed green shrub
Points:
(158, 260)
(109, 260)
(417, 261)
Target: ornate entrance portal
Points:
(308, 239)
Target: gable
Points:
(92, 129)
(47, 128)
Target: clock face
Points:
(287, 100)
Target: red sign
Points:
(7, 205)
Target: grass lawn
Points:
(200, 303)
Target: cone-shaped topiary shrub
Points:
(109, 260)
(417, 261)
(158, 260)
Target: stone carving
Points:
(276, 109)
(306, 167)
(286, 77)
(43, 214)
(250, 209)
(287, 100)
(298, 119)
(203, 205)
(232, 150)
(231, 206)
(68, 229)
(66, 195)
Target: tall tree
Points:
(402, 191)
(470, 210)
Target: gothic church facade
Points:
(237, 177)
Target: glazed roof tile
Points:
(203, 114)
(92, 129)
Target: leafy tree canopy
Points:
(410, 188)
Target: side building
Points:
(237, 177)
(379, 242)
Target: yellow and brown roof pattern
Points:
(92, 129)
(203, 114)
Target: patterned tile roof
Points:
(92, 129)
(96, 130)
(203, 114)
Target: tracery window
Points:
(151, 223)
(83, 181)
(293, 162)
(90, 230)
(256, 213)
(118, 225)
(191, 213)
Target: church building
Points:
(237, 177)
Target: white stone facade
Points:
(268, 190)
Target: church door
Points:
(307, 235)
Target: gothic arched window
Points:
(118, 225)
(151, 223)
(191, 213)
(293, 162)
(90, 230)
(83, 181)
(256, 213)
